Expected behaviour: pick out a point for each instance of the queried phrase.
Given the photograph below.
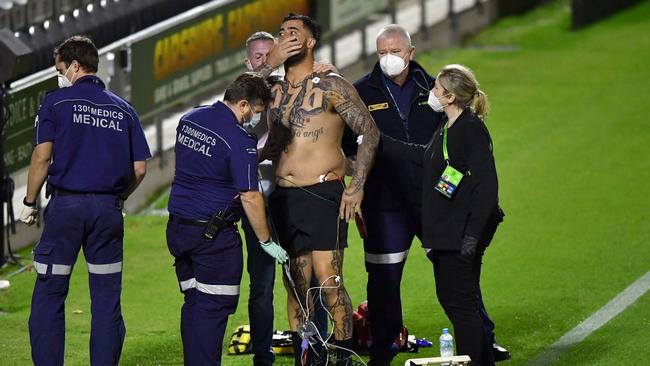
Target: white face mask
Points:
(392, 65)
(254, 121)
(63, 79)
(434, 103)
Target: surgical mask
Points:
(63, 80)
(392, 65)
(253, 122)
(434, 103)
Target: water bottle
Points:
(446, 343)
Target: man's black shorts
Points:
(306, 218)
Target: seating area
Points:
(43, 24)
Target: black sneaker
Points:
(500, 353)
(377, 362)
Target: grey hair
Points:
(393, 30)
(259, 36)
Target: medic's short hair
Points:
(79, 48)
(248, 86)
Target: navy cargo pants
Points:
(209, 273)
(94, 222)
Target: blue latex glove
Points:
(275, 251)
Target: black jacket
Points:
(473, 208)
(392, 183)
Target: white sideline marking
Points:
(576, 335)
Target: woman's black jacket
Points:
(473, 209)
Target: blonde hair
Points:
(460, 81)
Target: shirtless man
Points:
(311, 205)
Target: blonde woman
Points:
(459, 202)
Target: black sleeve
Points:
(484, 191)
(400, 149)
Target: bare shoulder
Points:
(337, 89)
(333, 80)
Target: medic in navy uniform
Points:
(216, 176)
(396, 94)
(90, 147)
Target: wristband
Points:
(29, 204)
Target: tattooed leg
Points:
(327, 265)
(301, 272)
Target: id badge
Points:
(449, 181)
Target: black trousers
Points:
(457, 286)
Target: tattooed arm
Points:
(350, 163)
(347, 103)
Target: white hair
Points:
(395, 30)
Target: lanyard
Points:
(444, 145)
(445, 154)
(401, 115)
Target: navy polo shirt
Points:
(401, 95)
(215, 160)
(96, 134)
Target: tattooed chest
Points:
(295, 106)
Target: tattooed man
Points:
(311, 205)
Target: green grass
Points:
(571, 141)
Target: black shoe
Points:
(500, 353)
(376, 362)
(344, 354)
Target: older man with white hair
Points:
(396, 94)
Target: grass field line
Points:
(576, 335)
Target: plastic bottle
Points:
(446, 343)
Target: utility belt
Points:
(52, 191)
(210, 227)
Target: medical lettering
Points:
(199, 135)
(193, 144)
(98, 112)
(97, 117)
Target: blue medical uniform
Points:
(96, 138)
(215, 160)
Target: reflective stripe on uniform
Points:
(188, 284)
(231, 290)
(388, 258)
(41, 268)
(57, 269)
(61, 269)
(105, 268)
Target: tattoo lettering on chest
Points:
(312, 134)
(293, 106)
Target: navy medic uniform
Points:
(96, 137)
(392, 200)
(215, 160)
